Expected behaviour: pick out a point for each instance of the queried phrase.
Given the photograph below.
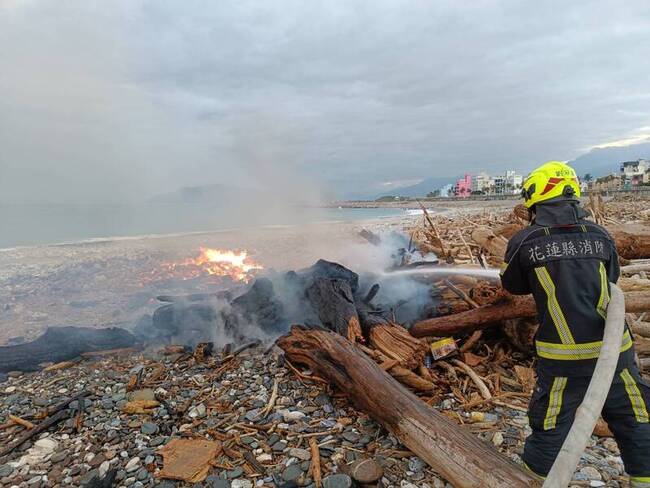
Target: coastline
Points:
(429, 203)
(106, 282)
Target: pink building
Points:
(463, 187)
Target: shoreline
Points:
(107, 282)
(225, 220)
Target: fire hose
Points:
(589, 410)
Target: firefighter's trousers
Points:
(552, 410)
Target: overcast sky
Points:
(120, 100)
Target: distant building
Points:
(482, 182)
(463, 187)
(447, 190)
(609, 182)
(636, 172)
(513, 182)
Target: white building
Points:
(636, 172)
(447, 190)
(482, 182)
(513, 181)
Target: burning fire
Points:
(220, 262)
(237, 265)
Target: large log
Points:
(60, 344)
(632, 246)
(511, 307)
(450, 450)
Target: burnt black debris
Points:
(62, 343)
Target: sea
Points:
(32, 225)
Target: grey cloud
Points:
(125, 99)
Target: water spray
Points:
(486, 273)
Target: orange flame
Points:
(237, 265)
(220, 262)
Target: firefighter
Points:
(567, 263)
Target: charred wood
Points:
(60, 344)
(333, 302)
(258, 305)
(328, 270)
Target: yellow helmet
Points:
(551, 180)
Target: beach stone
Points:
(103, 468)
(407, 484)
(36, 480)
(132, 465)
(6, 470)
(252, 415)
(292, 472)
(416, 464)
(265, 458)
(157, 441)
(216, 482)
(149, 428)
(302, 454)
(85, 479)
(279, 446)
(366, 471)
(235, 473)
(591, 473)
(242, 484)
(146, 394)
(293, 416)
(197, 412)
(322, 399)
(41, 402)
(166, 484)
(57, 457)
(351, 436)
(337, 481)
(142, 474)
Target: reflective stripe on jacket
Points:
(567, 266)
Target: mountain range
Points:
(603, 161)
(597, 162)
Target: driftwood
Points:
(632, 246)
(333, 302)
(60, 344)
(395, 342)
(453, 452)
(489, 241)
(511, 307)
